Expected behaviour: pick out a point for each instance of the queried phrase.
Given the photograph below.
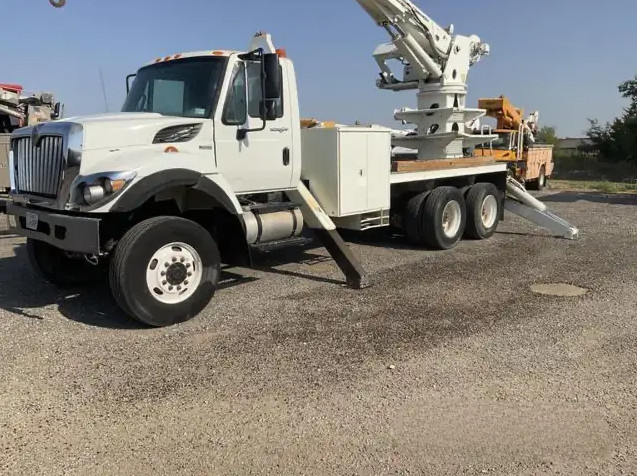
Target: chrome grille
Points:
(39, 168)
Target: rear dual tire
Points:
(436, 219)
(484, 209)
(439, 219)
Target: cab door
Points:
(261, 161)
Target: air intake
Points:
(181, 133)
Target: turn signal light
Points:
(281, 53)
(117, 185)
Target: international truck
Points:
(208, 161)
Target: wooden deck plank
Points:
(399, 166)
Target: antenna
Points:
(104, 90)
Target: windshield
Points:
(502, 142)
(184, 88)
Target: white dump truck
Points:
(208, 161)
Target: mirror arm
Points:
(128, 81)
(243, 133)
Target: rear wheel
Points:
(412, 219)
(483, 211)
(540, 182)
(59, 268)
(165, 270)
(444, 218)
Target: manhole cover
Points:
(561, 290)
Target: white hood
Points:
(127, 129)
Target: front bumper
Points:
(71, 233)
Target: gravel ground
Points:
(449, 364)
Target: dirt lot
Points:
(447, 365)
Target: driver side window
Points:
(235, 111)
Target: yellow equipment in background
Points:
(530, 163)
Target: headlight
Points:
(96, 188)
(93, 193)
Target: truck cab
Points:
(220, 95)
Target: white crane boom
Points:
(437, 63)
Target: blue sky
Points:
(563, 57)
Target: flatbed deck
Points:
(404, 171)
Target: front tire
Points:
(484, 209)
(164, 271)
(57, 268)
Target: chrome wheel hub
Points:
(174, 272)
(489, 211)
(451, 219)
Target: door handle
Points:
(286, 156)
(279, 129)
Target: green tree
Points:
(547, 135)
(617, 140)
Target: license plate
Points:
(32, 221)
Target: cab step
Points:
(280, 244)
(271, 207)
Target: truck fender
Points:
(214, 186)
(146, 188)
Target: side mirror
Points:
(128, 83)
(57, 110)
(271, 83)
(272, 72)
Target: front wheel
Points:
(165, 270)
